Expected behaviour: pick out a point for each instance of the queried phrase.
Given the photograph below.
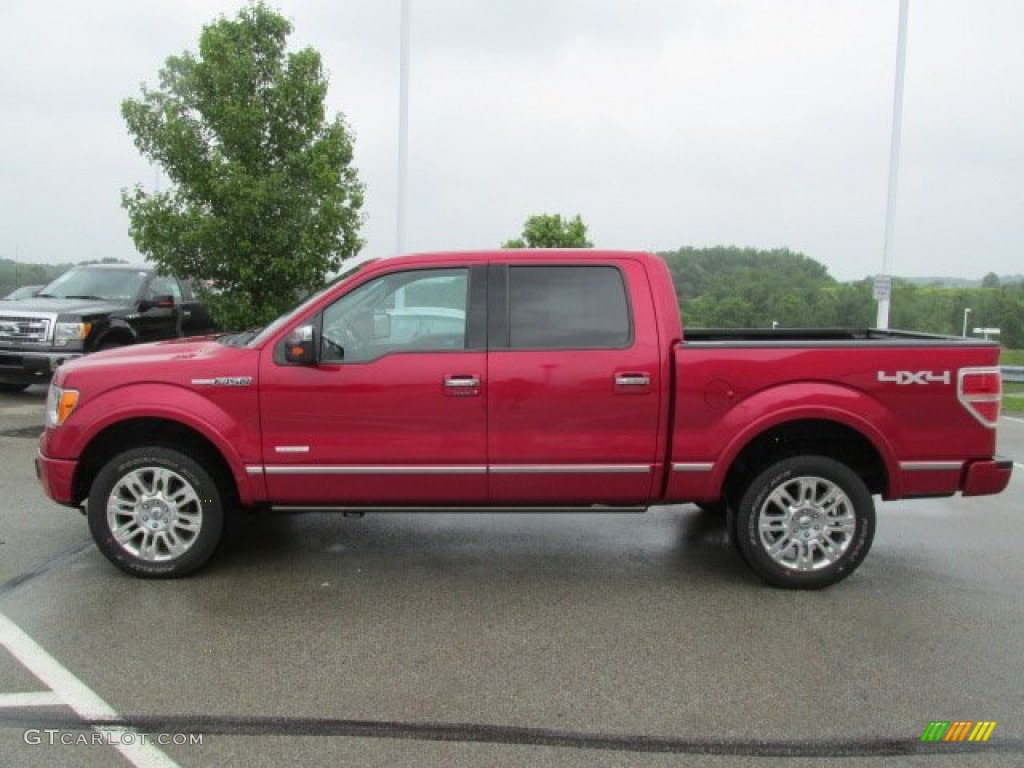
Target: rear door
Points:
(574, 390)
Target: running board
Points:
(349, 510)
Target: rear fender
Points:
(819, 401)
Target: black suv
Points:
(91, 308)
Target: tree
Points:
(551, 231)
(264, 202)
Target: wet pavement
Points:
(456, 639)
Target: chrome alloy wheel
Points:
(154, 513)
(806, 523)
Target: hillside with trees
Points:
(729, 287)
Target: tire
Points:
(112, 344)
(805, 522)
(165, 505)
(713, 508)
(11, 387)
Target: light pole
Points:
(884, 281)
(403, 124)
(967, 311)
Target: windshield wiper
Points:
(240, 339)
(84, 296)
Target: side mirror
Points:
(300, 346)
(161, 301)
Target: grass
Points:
(1013, 397)
(1011, 357)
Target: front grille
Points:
(24, 330)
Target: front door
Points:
(394, 411)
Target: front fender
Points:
(227, 419)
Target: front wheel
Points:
(155, 513)
(805, 522)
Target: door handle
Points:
(632, 380)
(462, 386)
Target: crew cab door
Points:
(393, 411)
(574, 384)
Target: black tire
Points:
(103, 346)
(805, 522)
(11, 387)
(713, 508)
(170, 512)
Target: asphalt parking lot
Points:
(519, 640)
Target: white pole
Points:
(403, 124)
(967, 312)
(894, 158)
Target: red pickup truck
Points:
(510, 380)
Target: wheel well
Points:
(115, 335)
(810, 436)
(134, 433)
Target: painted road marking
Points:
(67, 690)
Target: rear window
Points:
(568, 307)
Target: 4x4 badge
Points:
(906, 378)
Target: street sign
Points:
(883, 287)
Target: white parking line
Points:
(68, 690)
(33, 699)
(1014, 418)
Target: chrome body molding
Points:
(931, 466)
(693, 466)
(569, 469)
(321, 469)
(473, 469)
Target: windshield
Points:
(255, 338)
(96, 283)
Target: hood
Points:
(60, 306)
(178, 361)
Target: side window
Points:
(164, 286)
(570, 307)
(416, 311)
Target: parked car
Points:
(91, 308)
(24, 292)
(509, 380)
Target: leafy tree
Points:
(551, 231)
(264, 202)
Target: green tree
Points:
(551, 231)
(264, 202)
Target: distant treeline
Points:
(729, 287)
(14, 274)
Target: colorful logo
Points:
(958, 730)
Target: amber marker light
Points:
(60, 403)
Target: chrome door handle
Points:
(632, 380)
(462, 382)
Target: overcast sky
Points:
(663, 123)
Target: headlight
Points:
(70, 333)
(59, 405)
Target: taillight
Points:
(981, 392)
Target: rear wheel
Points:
(155, 513)
(805, 522)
